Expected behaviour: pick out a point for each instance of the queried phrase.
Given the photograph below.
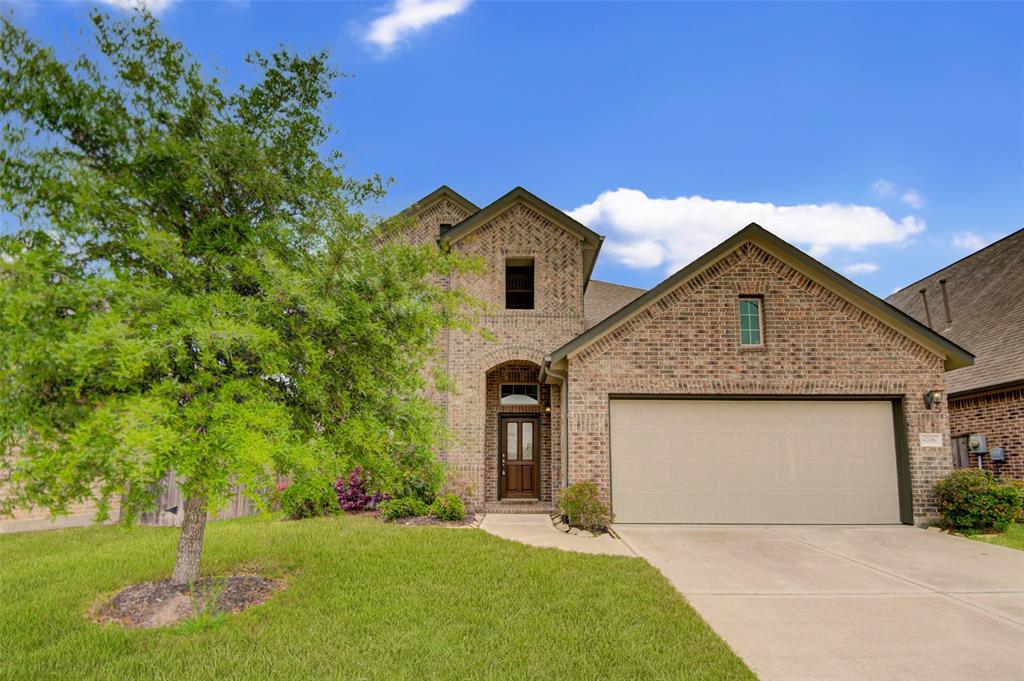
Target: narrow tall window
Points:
(519, 284)
(751, 329)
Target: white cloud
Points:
(640, 254)
(883, 187)
(969, 241)
(912, 198)
(154, 6)
(409, 16)
(907, 195)
(647, 232)
(861, 268)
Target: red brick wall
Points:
(1000, 417)
(815, 343)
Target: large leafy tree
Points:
(186, 284)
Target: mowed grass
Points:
(364, 600)
(1013, 537)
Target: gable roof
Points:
(985, 292)
(603, 298)
(955, 356)
(442, 192)
(591, 239)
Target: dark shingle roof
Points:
(986, 301)
(603, 298)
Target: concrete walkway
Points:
(536, 529)
(835, 603)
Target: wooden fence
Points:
(171, 499)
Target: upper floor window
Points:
(519, 284)
(751, 324)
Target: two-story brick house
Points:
(754, 385)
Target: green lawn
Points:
(364, 600)
(1012, 538)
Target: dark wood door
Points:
(519, 460)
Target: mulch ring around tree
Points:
(162, 604)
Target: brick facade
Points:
(516, 372)
(815, 343)
(1000, 417)
(518, 339)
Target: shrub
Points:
(973, 499)
(448, 507)
(581, 504)
(457, 485)
(309, 497)
(1019, 486)
(402, 507)
(352, 494)
(419, 475)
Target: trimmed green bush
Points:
(972, 499)
(448, 507)
(403, 507)
(309, 497)
(581, 504)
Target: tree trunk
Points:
(190, 546)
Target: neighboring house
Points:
(755, 385)
(978, 302)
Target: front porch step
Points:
(518, 506)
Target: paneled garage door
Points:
(753, 461)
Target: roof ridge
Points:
(605, 281)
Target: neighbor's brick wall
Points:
(816, 343)
(516, 335)
(1000, 417)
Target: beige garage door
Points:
(753, 461)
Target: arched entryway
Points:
(517, 435)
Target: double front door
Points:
(519, 457)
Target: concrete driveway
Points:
(829, 603)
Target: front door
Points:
(519, 457)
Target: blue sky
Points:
(886, 139)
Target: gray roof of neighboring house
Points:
(986, 302)
(604, 298)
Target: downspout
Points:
(563, 380)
